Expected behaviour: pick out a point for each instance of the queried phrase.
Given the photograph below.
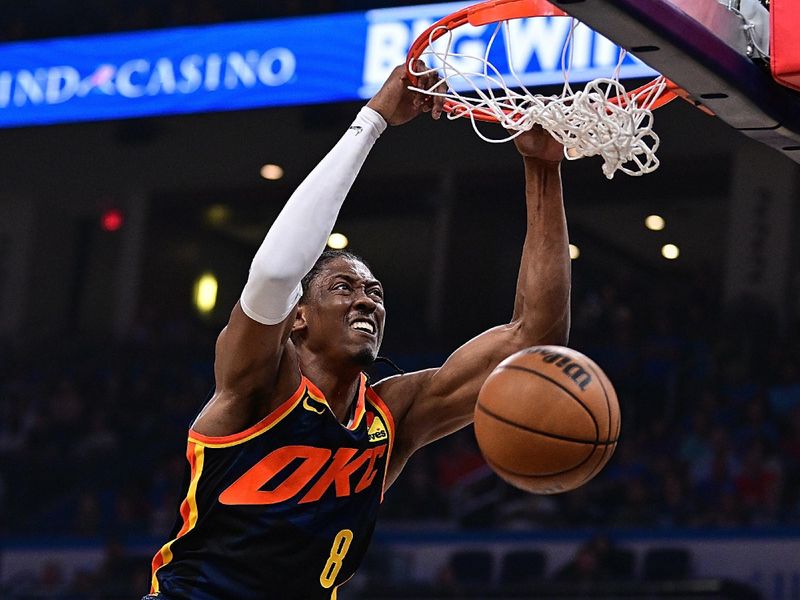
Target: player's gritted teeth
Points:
(363, 325)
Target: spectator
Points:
(591, 563)
(75, 423)
(784, 396)
(758, 485)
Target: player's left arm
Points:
(430, 404)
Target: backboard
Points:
(702, 46)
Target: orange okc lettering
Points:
(346, 461)
(369, 474)
(338, 473)
(247, 489)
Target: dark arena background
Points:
(126, 233)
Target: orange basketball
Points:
(547, 419)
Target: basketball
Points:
(547, 419)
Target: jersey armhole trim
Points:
(263, 425)
(188, 511)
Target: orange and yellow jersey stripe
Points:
(284, 509)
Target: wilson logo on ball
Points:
(571, 369)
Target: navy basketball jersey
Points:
(284, 509)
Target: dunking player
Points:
(290, 457)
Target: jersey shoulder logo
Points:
(377, 431)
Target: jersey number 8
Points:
(339, 548)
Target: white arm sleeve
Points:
(298, 235)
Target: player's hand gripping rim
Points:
(398, 105)
(538, 144)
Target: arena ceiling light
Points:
(574, 251)
(205, 293)
(271, 172)
(218, 214)
(654, 222)
(670, 251)
(337, 241)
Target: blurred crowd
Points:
(92, 437)
(710, 400)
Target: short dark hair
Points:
(327, 256)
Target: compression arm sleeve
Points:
(298, 235)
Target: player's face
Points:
(345, 311)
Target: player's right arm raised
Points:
(255, 365)
(430, 404)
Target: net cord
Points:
(602, 119)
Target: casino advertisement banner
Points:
(280, 62)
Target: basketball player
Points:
(291, 456)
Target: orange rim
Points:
(492, 11)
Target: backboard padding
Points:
(785, 42)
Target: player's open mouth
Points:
(363, 325)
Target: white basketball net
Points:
(585, 121)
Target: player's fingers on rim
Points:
(538, 130)
(421, 99)
(438, 101)
(417, 97)
(433, 82)
(414, 69)
(438, 108)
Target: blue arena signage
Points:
(280, 62)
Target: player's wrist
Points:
(538, 161)
(372, 118)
